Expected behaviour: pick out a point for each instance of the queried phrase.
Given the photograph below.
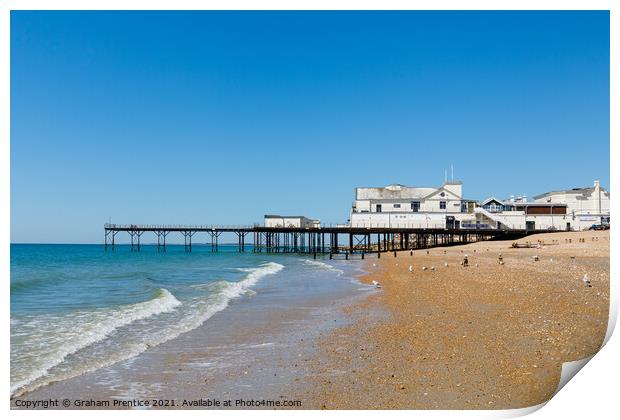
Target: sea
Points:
(76, 309)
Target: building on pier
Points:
(277, 221)
(400, 206)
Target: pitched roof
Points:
(488, 200)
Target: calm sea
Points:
(75, 308)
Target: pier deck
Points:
(321, 240)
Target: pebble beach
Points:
(492, 335)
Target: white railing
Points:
(498, 217)
(188, 227)
(441, 225)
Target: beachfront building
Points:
(574, 209)
(277, 221)
(585, 206)
(520, 214)
(400, 206)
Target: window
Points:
(396, 206)
(415, 206)
(442, 205)
(378, 208)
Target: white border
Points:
(588, 396)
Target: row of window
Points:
(415, 206)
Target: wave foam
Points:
(198, 312)
(323, 265)
(86, 328)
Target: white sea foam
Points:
(325, 266)
(83, 329)
(197, 311)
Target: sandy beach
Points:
(486, 336)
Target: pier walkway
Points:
(321, 240)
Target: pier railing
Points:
(180, 227)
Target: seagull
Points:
(374, 265)
(423, 268)
(376, 284)
(586, 280)
(445, 264)
(410, 268)
(432, 268)
(476, 264)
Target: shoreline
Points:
(255, 348)
(487, 336)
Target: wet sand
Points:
(487, 336)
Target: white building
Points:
(585, 206)
(397, 206)
(277, 221)
(574, 209)
(520, 214)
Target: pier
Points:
(340, 240)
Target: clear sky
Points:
(221, 117)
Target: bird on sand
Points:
(376, 284)
(410, 268)
(586, 280)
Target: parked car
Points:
(599, 227)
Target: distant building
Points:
(397, 205)
(585, 206)
(273, 220)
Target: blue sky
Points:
(221, 117)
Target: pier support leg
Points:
(135, 240)
(187, 234)
(350, 243)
